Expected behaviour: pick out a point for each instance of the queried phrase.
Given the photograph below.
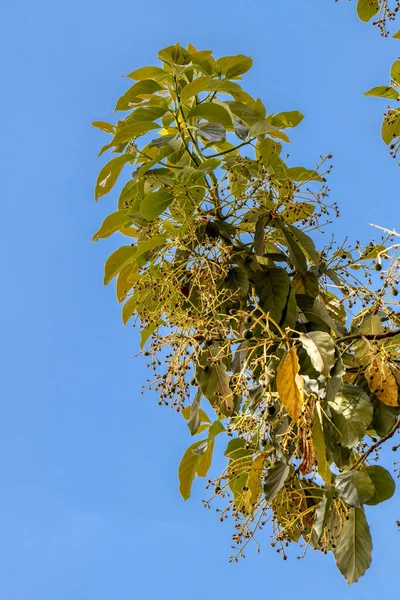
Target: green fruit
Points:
(378, 267)
(247, 334)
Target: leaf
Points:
(123, 285)
(187, 469)
(211, 132)
(193, 88)
(262, 127)
(195, 418)
(391, 126)
(117, 261)
(321, 350)
(273, 288)
(135, 129)
(352, 414)
(296, 253)
(354, 487)
(319, 444)
(254, 483)
(384, 417)
(305, 242)
(289, 384)
(297, 211)
(382, 382)
(107, 127)
(287, 119)
(275, 480)
(146, 333)
(306, 285)
(371, 325)
(212, 112)
(383, 482)
(366, 9)
(240, 129)
(353, 551)
(147, 73)
(149, 244)
(396, 36)
(301, 175)
(135, 92)
(321, 514)
(233, 66)
(155, 203)
(129, 308)
(383, 91)
(112, 223)
(395, 72)
(238, 281)
(213, 379)
(110, 173)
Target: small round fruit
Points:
(247, 334)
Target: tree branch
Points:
(391, 433)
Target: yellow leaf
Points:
(382, 382)
(124, 285)
(254, 483)
(290, 384)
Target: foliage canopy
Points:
(293, 349)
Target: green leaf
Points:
(210, 164)
(321, 350)
(306, 285)
(305, 242)
(195, 418)
(155, 203)
(302, 175)
(147, 73)
(395, 71)
(129, 308)
(287, 119)
(396, 36)
(211, 132)
(353, 551)
(110, 173)
(352, 414)
(150, 244)
(135, 129)
(234, 66)
(117, 261)
(238, 281)
(273, 288)
(354, 487)
(384, 417)
(146, 333)
(112, 223)
(136, 92)
(107, 127)
(198, 85)
(321, 514)
(261, 127)
(391, 126)
(213, 379)
(318, 435)
(275, 480)
(187, 469)
(295, 252)
(366, 9)
(383, 482)
(212, 112)
(383, 91)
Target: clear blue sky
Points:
(89, 506)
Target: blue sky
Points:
(89, 506)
